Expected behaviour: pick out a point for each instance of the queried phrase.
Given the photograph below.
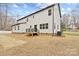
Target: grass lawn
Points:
(71, 33)
(42, 45)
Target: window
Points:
(18, 27)
(44, 26)
(15, 27)
(40, 26)
(27, 19)
(30, 26)
(49, 12)
(35, 28)
(33, 16)
(57, 26)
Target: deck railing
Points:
(32, 30)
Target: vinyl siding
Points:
(42, 18)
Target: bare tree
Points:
(5, 20)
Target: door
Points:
(35, 28)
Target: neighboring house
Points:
(46, 20)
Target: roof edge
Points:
(19, 23)
(36, 12)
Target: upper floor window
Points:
(27, 19)
(49, 12)
(33, 16)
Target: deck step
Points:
(33, 34)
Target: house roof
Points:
(19, 23)
(36, 12)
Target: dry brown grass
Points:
(42, 45)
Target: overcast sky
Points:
(21, 9)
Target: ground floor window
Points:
(18, 27)
(15, 27)
(40, 26)
(44, 26)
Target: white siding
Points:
(42, 18)
(22, 28)
(56, 19)
(23, 20)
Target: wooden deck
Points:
(32, 32)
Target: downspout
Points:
(59, 9)
(60, 15)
